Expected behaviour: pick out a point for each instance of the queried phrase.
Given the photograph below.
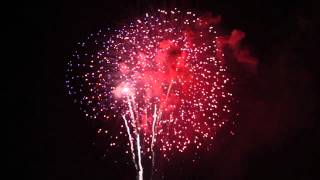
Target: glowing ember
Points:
(163, 75)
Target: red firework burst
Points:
(164, 75)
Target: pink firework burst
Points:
(163, 76)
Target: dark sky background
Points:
(277, 135)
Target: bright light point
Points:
(125, 90)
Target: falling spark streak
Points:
(168, 90)
(131, 142)
(136, 132)
(132, 114)
(153, 136)
(140, 171)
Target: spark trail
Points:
(164, 75)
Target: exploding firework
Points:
(163, 76)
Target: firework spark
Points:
(163, 74)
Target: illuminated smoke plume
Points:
(162, 77)
(241, 54)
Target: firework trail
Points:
(163, 74)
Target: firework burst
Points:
(163, 76)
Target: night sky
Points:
(277, 134)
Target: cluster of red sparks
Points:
(163, 76)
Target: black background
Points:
(277, 135)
